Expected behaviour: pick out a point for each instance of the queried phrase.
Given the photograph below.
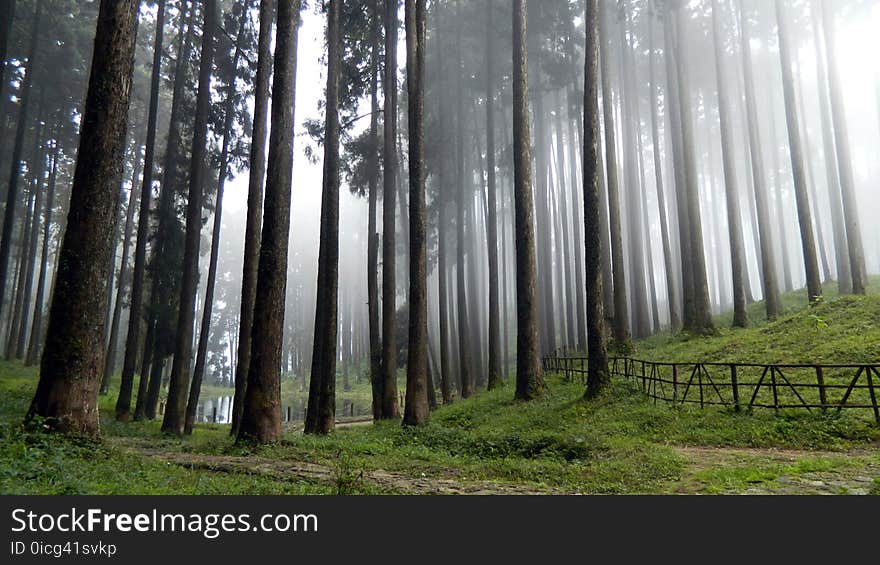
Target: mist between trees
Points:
(421, 198)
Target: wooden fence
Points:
(742, 385)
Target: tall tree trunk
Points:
(768, 260)
(579, 280)
(124, 276)
(740, 313)
(376, 378)
(672, 301)
(630, 126)
(17, 148)
(494, 373)
(598, 376)
(138, 276)
(7, 15)
(254, 211)
(844, 158)
(208, 308)
(702, 320)
(805, 218)
(543, 217)
(390, 409)
(680, 193)
(621, 309)
(463, 319)
(36, 340)
(417, 373)
(28, 246)
(175, 414)
(529, 380)
(67, 392)
(782, 240)
(570, 304)
(261, 414)
(811, 180)
(832, 176)
(321, 415)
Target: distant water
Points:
(219, 410)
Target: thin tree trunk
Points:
(138, 277)
(674, 319)
(621, 309)
(208, 308)
(390, 409)
(416, 407)
(768, 260)
(735, 234)
(36, 340)
(321, 415)
(702, 320)
(124, 276)
(17, 148)
(376, 379)
(598, 376)
(175, 414)
(832, 176)
(844, 158)
(805, 218)
(464, 344)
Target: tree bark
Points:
(175, 413)
(36, 340)
(702, 320)
(138, 277)
(672, 301)
(620, 322)
(768, 260)
(321, 415)
(70, 370)
(416, 408)
(376, 377)
(598, 376)
(261, 414)
(832, 176)
(529, 380)
(805, 218)
(17, 148)
(208, 308)
(390, 409)
(124, 276)
(254, 220)
(734, 219)
(844, 158)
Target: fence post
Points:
(644, 382)
(773, 383)
(735, 385)
(873, 394)
(820, 379)
(674, 382)
(699, 369)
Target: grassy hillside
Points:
(491, 444)
(836, 330)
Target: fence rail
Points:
(742, 385)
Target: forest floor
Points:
(490, 444)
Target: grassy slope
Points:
(619, 444)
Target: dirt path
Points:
(297, 470)
(783, 471)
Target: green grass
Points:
(836, 330)
(620, 443)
